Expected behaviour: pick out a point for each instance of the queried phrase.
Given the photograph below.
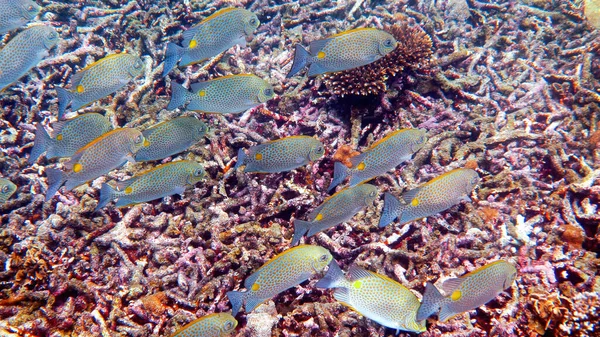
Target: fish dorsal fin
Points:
(196, 87)
(95, 141)
(442, 176)
(350, 32)
(286, 138)
(316, 46)
(482, 268)
(452, 284)
(252, 278)
(377, 143)
(102, 60)
(219, 13)
(234, 75)
(356, 273)
(410, 195)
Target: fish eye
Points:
(138, 139)
(5, 188)
(254, 22)
(268, 92)
(30, 8)
(388, 43)
(323, 258)
(137, 64)
(372, 194)
(229, 325)
(198, 173)
(474, 180)
(320, 149)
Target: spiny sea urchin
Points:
(413, 52)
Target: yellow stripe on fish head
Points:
(77, 167)
(456, 295)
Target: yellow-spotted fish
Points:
(24, 52)
(97, 158)
(214, 35)
(467, 292)
(227, 94)
(16, 13)
(171, 137)
(213, 325)
(159, 182)
(336, 209)
(343, 51)
(282, 272)
(431, 198)
(7, 189)
(374, 296)
(68, 136)
(384, 155)
(280, 155)
(99, 80)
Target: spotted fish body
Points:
(383, 156)
(467, 292)
(99, 80)
(282, 272)
(227, 94)
(213, 325)
(24, 52)
(16, 13)
(68, 136)
(7, 189)
(374, 296)
(159, 182)
(336, 209)
(347, 50)
(171, 137)
(214, 35)
(280, 155)
(97, 158)
(431, 198)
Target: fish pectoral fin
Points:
(300, 160)
(179, 190)
(241, 41)
(450, 285)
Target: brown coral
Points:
(413, 52)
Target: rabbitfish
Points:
(467, 292)
(214, 35)
(99, 80)
(213, 325)
(431, 198)
(68, 136)
(16, 13)
(24, 52)
(343, 51)
(159, 182)
(227, 94)
(171, 137)
(282, 272)
(7, 189)
(280, 155)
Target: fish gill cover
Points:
(508, 88)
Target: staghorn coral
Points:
(413, 53)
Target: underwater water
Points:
(451, 148)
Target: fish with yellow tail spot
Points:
(280, 155)
(336, 209)
(7, 189)
(25, 51)
(102, 155)
(68, 136)
(431, 198)
(384, 155)
(214, 35)
(227, 94)
(374, 296)
(99, 80)
(282, 272)
(467, 292)
(343, 51)
(159, 182)
(213, 325)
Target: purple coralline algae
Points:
(509, 89)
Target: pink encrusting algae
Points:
(508, 89)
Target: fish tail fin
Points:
(431, 302)
(340, 172)
(172, 56)
(300, 60)
(334, 278)
(64, 98)
(236, 298)
(107, 193)
(40, 144)
(241, 158)
(56, 178)
(391, 210)
(178, 96)
(300, 228)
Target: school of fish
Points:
(95, 147)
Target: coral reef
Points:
(512, 89)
